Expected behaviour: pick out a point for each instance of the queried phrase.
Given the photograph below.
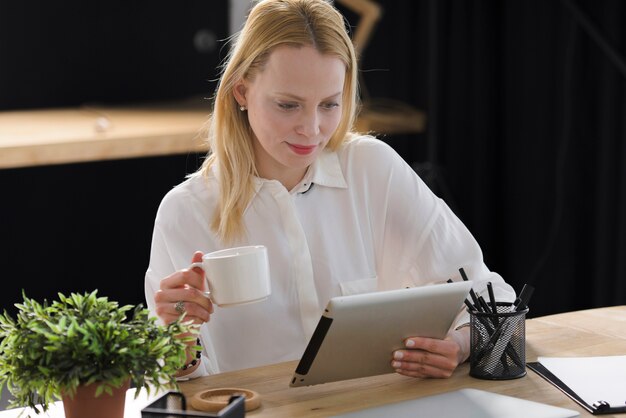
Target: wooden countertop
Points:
(58, 136)
(68, 135)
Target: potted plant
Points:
(83, 342)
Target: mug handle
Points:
(198, 264)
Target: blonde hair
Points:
(270, 23)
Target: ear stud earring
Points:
(242, 108)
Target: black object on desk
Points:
(497, 334)
(498, 343)
(174, 405)
(597, 408)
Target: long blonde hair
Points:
(270, 23)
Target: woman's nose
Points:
(309, 125)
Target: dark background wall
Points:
(525, 138)
(74, 52)
(79, 227)
(526, 102)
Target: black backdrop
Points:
(526, 115)
(527, 107)
(79, 227)
(75, 52)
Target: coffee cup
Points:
(237, 275)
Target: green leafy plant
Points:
(52, 348)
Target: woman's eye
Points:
(287, 106)
(330, 105)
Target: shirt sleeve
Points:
(160, 266)
(421, 240)
(449, 245)
(165, 259)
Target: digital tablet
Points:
(356, 335)
(464, 403)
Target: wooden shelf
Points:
(389, 117)
(60, 136)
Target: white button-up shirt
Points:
(361, 220)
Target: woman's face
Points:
(294, 107)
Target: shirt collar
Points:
(325, 171)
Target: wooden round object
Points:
(214, 400)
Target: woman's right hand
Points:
(185, 289)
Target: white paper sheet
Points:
(593, 379)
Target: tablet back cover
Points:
(357, 334)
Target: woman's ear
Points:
(240, 93)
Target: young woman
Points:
(340, 213)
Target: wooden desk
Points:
(593, 332)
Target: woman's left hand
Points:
(430, 357)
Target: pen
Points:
(522, 300)
(475, 299)
(471, 291)
(520, 304)
(488, 310)
(491, 332)
(481, 306)
(467, 302)
(469, 305)
(492, 298)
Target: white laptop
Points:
(357, 335)
(466, 403)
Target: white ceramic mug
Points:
(237, 275)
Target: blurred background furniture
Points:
(379, 115)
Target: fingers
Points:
(197, 258)
(422, 371)
(181, 279)
(187, 277)
(427, 357)
(183, 291)
(196, 263)
(191, 301)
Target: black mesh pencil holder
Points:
(498, 343)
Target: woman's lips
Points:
(302, 149)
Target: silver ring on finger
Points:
(180, 307)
